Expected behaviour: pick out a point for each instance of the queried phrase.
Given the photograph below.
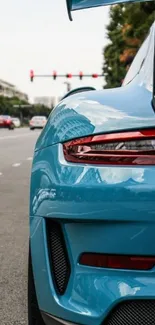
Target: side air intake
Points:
(60, 265)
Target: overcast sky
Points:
(38, 35)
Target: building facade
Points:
(46, 101)
(9, 90)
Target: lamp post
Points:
(68, 85)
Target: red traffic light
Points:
(68, 75)
(31, 75)
(54, 75)
(94, 75)
(80, 75)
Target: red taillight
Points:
(117, 261)
(124, 148)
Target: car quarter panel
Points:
(100, 209)
(121, 199)
(97, 112)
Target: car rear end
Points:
(16, 122)
(1, 121)
(37, 122)
(92, 229)
(92, 211)
(6, 122)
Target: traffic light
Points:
(54, 75)
(80, 75)
(94, 75)
(31, 75)
(68, 75)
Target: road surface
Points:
(16, 151)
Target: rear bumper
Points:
(91, 292)
(135, 312)
(36, 127)
(5, 126)
(51, 320)
(113, 214)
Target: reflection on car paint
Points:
(93, 113)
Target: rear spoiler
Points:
(73, 5)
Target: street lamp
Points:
(68, 85)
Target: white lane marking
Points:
(18, 136)
(29, 158)
(0, 174)
(16, 165)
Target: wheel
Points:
(31, 129)
(34, 315)
(11, 127)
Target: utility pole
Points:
(68, 85)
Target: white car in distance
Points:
(37, 122)
(16, 121)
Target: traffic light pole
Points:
(68, 85)
(81, 75)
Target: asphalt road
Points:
(16, 151)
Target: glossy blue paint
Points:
(91, 292)
(108, 110)
(97, 192)
(114, 212)
(102, 209)
(97, 112)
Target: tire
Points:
(11, 127)
(31, 129)
(34, 315)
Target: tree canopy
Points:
(7, 108)
(127, 29)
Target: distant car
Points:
(16, 122)
(37, 122)
(6, 122)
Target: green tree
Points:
(7, 107)
(126, 31)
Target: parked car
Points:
(37, 122)
(6, 122)
(16, 122)
(92, 205)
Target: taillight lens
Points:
(118, 261)
(124, 148)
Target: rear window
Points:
(147, 68)
(6, 117)
(137, 62)
(39, 118)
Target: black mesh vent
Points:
(60, 265)
(138, 312)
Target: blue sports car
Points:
(92, 205)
